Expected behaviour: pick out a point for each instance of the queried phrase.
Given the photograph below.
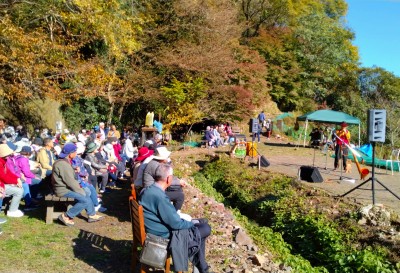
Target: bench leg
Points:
(49, 212)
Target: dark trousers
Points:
(177, 197)
(199, 260)
(104, 180)
(341, 151)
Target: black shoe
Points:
(200, 220)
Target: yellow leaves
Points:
(108, 21)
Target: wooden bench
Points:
(203, 143)
(51, 200)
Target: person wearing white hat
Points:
(12, 183)
(174, 192)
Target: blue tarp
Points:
(366, 149)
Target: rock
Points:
(375, 215)
(258, 259)
(241, 238)
(362, 221)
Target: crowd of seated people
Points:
(96, 162)
(85, 166)
(218, 135)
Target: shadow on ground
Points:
(101, 252)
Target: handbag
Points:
(154, 252)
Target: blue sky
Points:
(376, 24)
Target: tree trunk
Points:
(112, 104)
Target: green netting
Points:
(381, 163)
(192, 144)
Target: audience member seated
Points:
(45, 157)
(13, 184)
(174, 192)
(99, 168)
(223, 134)
(83, 177)
(161, 219)
(119, 162)
(19, 165)
(65, 185)
(217, 136)
(209, 136)
(113, 132)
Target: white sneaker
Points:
(99, 208)
(16, 213)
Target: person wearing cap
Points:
(31, 178)
(341, 149)
(46, 158)
(65, 185)
(19, 165)
(161, 219)
(82, 175)
(174, 192)
(99, 169)
(12, 183)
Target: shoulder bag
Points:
(154, 252)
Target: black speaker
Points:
(376, 125)
(253, 125)
(310, 174)
(264, 161)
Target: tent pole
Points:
(359, 135)
(305, 134)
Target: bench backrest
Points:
(137, 221)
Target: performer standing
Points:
(341, 150)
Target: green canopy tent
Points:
(329, 116)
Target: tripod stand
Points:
(373, 179)
(252, 150)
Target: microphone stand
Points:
(340, 154)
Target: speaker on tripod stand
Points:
(376, 133)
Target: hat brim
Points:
(6, 151)
(91, 150)
(165, 156)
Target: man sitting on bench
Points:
(65, 185)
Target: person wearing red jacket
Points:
(342, 138)
(117, 152)
(13, 184)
